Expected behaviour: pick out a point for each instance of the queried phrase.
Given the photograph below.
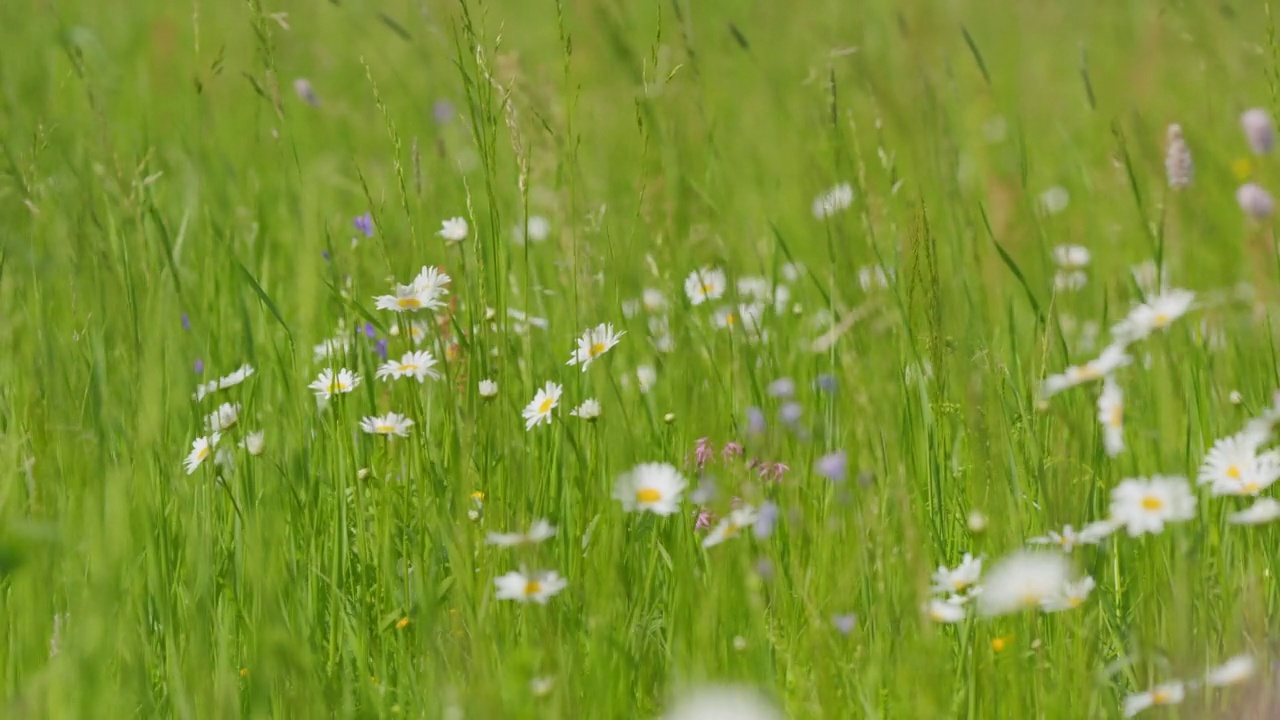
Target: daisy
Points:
(1166, 694)
(417, 331)
(1021, 581)
(1145, 505)
(594, 342)
(431, 282)
(945, 611)
(728, 701)
(227, 381)
(1233, 465)
(538, 410)
(418, 365)
(1111, 359)
(1071, 257)
(1072, 595)
(1066, 540)
(1263, 511)
(389, 424)
(1232, 672)
(329, 348)
(964, 576)
(1157, 313)
(538, 586)
(224, 417)
(647, 377)
(1111, 415)
(655, 487)
(536, 229)
(832, 201)
(254, 443)
(201, 449)
(1069, 280)
(1097, 531)
(653, 300)
(705, 284)
(330, 383)
(540, 530)
(407, 298)
(589, 410)
(873, 277)
(738, 520)
(488, 389)
(453, 229)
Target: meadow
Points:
(607, 359)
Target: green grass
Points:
(159, 164)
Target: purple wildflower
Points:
(325, 254)
(755, 421)
(443, 111)
(702, 518)
(783, 387)
(364, 224)
(380, 347)
(833, 466)
(790, 413)
(186, 322)
(369, 331)
(731, 450)
(199, 366)
(766, 519)
(844, 623)
(764, 568)
(703, 452)
(827, 382)
(302, 87)
(776, 470)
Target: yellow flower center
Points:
(707, 288)
(532, 587)
(959, 583)
(1084, 372)
(1160, 320)
(408, 302)
(1233, 472)
(1116, 417)
(545, 406)
(1159, 697)
(1075, 601)
(596, 349)
(384, 429)
(408, 367)
(1151, 502)
(202, 453)
(999, 644)
(402, 623)
(1252, 487)
(648, 495)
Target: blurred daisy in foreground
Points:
(538, 411)
(738, 520)
(241, 374)
(1264, 511)
(704, 284)
(1167, 694)
(417, 364)
(723, 703)
(453, 229)
(1157, 313)
(1072, 595)
(1233, 466)
(331, 383)
(201, 449)
(254, 443)
(540, 530)
(1111, 415)
(1054, 200)
(652, 487)
(1144, 505)
(1071, 257)
(537, 587)
(945, 612)
(536, 230)
(1112, 358)
(391, 424)
(832, 201)
(589, 410)
(594, 342)
(964, 576)
(1023, 580)
(487, 389)
(224, 417)
(1232, 672)
(1069, 538)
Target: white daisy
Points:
(418, 330)
(224, 417)
(1097, 531)
(538, 587)
(737, 521)
(964, 576)
(406, 298)
(1233, 466)
(1166, 694)
(1065, 540)
(589, 410)
(1072, 595)
(1111, 415)
(254, 443)
(594, 342)
(1023, 580)
(1232, 672)
(653, 300)
(540, 530)
(432, 282)
(537, 229)
(832, 201)
(1071, 257)
(945, 611)
(1264, 511)
(201, 449)
(1070, 280)
(1145, 505)
(723, 703)
(330, 383)
(227, 381)
(1111, 359)
(647, 377)
(488, 389)
(389, 424)
(418, 365)
(705, 284)
(453, 229)
(1157, 313)
(655, 487)
(333, 347)
(538, 410)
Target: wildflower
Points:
(965, 575)
(826, 382)
(330, 383)
(594, 342)
(417, 332)
(703, 452)
(790, 413)
(783, 387)
(201, 449)
(424, 293)
(1157, 313)
(1054, 200)
(1069, 280)
(1166, 694)
(766, 519)
(1178, 167)
(402, 623)
(1111, 415)
(306, 93)
(1232, 672)
(240, 375)
(1259, 131)
(655, 487)
(1068, 538)
(653, 300)
(844, 623)
(1233, 465)
(646, 376)
(1021, 581)
(945, 611)
(738, 520)
(254, 443)
(198, 367)
(730, 450)
(453, 229)
(442, 111)
(538, 587)
(333, 347)
(1255, 201)
(536, 229)
(1072, 595)
(389, 424)
(538, 410)
(702, 518)
(712, 702)
(1071, 257)
(540, 530)
(1111, 359)
(705, 284)
(833, 201)
(872, 277)
(417, 364)
(833, 466)
(488, 389)
(364, 224)
(224, 417)
(542, 686)
(1145, 505)
(589, 410)
(976, 521)
(1263, 511)
(755, 421)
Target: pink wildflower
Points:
(730, 451)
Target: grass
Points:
(169, 200)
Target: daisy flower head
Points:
(945, 612)
(254, 443)
(707, 283)
(417, 364)
(589, 410)
(433, 283)
(540, 530)
(1111, 415)
(537, 587)
(538, 411)
(391, 424)
(1233, 466)
(832, 201)
(1023, 580)
(333, 347)
(594, 342)
(1065, 540)
(224, 417)
(488, 389)
(729, 527)
(723, 702)
(453, 229)
(652, 487)
(1166, 694)
(201, 449)
(1072, 595)
(1232, 672)
(653, 300)
(646, 377)
(536, 229)
(1071, 257)
(1157, 313)
(244, 372)
(1112, 358)
(331, 383)
(406, 298)
(1144, 505)
(1265, 510)
(873, 277)
(964, 576)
